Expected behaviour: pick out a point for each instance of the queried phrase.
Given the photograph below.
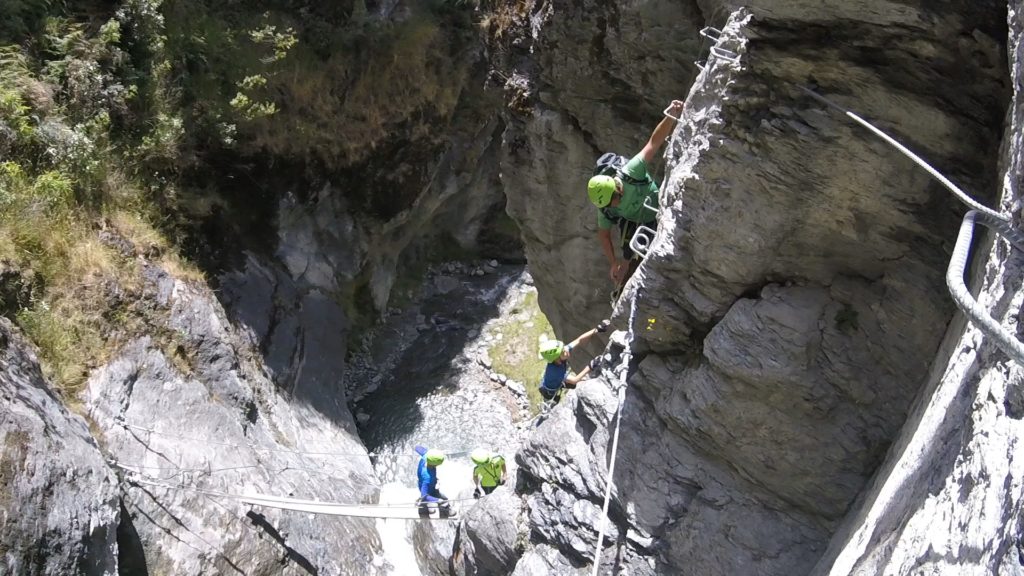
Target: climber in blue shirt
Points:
(557, 354)
(426, 474)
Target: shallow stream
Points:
(422, 378)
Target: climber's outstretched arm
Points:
(661, 132)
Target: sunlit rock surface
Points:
(59, 505)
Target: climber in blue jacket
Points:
(426, 474)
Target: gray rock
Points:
(249, 295)
(213, 421)
(434, 544)
(58, 498)
(568, 522)
(543, 560)
(445, 284)
(516, 387)
(319, 244)
(489, 535)
(942, 501)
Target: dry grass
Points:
(150, 242)
(515, 355)
(503, 16)
(81, 277)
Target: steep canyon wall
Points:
(793, 302)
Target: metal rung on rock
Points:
(711, 33)
(649, 206)
(641, 240)
(727, 55)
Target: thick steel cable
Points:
(962, 295)
(623, 373)
(122, 422)
(995, 221)
(960, 194)
(259, 499)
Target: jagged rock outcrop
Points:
(489, 537)
(58, 498)
(793, 300)
(191, 425)
(434, 545)
(542, 560)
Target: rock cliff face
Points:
(790, 311)
(793, 301)
(188, 419)
(191, 426)
(948, 499)
(58, 498)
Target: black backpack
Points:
(612, 164)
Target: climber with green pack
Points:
(488, 471)
(556, 373)
(619, 192)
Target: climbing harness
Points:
(621, 372)
(995, 221)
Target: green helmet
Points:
(551, 350)
(480, 456)
(600, 189)
(434, 457)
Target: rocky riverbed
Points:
(425, 377)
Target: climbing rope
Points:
(622, 372)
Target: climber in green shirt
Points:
(620, 199)
(488, 471)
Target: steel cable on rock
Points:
(998, 223)
(139, 479)
(622, 373)
(962, 295)
(960, 194)
(460, 452)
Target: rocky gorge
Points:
(803, 395)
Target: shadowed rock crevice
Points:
(131, 556)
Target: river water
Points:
(419, 380)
